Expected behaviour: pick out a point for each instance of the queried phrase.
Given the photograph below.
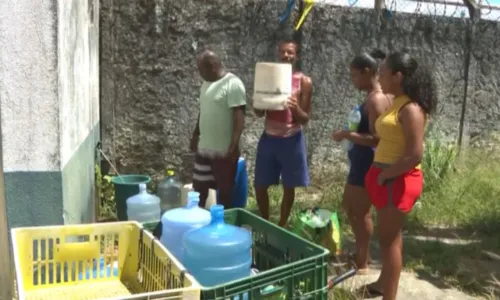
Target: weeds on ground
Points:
(458, 215)
(106, 193)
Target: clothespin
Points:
(289, 7)
(309, 4)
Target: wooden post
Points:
(5, 265)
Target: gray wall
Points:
(149, 81)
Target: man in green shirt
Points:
(216, 137)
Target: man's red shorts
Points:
(401, 192)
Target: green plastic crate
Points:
(150, 226)
(290, 267)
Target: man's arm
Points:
(195, 136)
(238, 124)
(303, 111)
(237, 101)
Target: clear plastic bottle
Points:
(219, 252)
(353, 120)
(169, 191)
(179, 220)
(143, 207)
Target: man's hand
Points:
(231, 150)
(193, 146)
(339, 135)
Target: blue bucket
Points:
(239, 197)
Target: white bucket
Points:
(272, 85)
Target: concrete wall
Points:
(49, 101)
(149, 81)
(78, 44)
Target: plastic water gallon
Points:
(218, 253)
(239, 196)
(105, 271)
(211, 198)
(143, 207)
(177, 221)
(169, 191)
(272, 85)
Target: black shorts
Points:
(361, 159)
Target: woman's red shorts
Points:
(401, 192)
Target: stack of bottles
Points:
(211, 250)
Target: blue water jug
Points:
(143, 207)
(240, 190)
(105, 271)
(219, 252)
(179, 220)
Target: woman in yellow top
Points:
(394, 181)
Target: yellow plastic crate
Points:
(63, 262)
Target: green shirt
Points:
(217, 100)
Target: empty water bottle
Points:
(169, 191)
(352, 124)
(143, 207)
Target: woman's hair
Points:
(370, 61)
(418, 81)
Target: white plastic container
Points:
(272, 85)
(211, 199)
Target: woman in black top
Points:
(364, 74)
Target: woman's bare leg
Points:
(357, 205)
(390, 222)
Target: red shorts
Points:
(401, 192)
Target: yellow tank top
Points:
(391, 146)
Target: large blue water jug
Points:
(179, 220)
(219, 252)
(105, 271)
(143, 207)
(240, 190)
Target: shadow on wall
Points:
(149, 82)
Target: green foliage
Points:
(106, 193)
(437, 161)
